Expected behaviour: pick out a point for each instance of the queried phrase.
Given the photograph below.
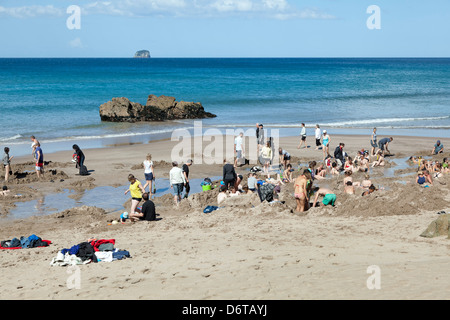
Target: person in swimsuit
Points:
(326, 144)
(301, 193)
(380, 160)
(136, 190)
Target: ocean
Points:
(58, 100)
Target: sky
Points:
(224, 28)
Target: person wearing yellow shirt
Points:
(136, 190)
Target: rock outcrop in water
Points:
(157, 109)
(142, 54)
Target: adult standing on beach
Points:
(33, 145)
(177, 181)
(39, 156)
(326, 144)
(266, 155)
(339, 154)
(373, 141)
(239, 148)
(303, 136)
(318, 135)
(7, 163)
(229, 174)
(186, 176)
(259, 137)
(383, 145)
(149, 173)
(79, 158)
(136, 190)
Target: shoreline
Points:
(23, 149)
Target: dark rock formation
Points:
(142, 54)
(157, 109)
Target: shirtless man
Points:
(349, 188)
(329, 198)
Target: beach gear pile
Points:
(32, 241)
(93, 250)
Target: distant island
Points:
(142, 54)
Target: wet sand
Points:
(246, 250)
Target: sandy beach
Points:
(244, 250)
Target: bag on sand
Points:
(84, 171)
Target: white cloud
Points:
(31, 11)
(275, 9)
(76, 43)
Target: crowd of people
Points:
(259, 180)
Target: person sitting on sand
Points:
(348, 177)
(445, 167)
(366, 183)
(222, 196)
(147, 211)
(321, 172)
(437, 170)
(234, 192)
(301, 192)
(380, 160)
(420, 179)
(329, 198)
(428, 177)
(136, 190)
(251, 182)
(334, 171)
(5, 191)
(438, 148)
(349, 188)
(371, 189)
(287, 174)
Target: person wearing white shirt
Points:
(177, 181)
(318, 135)
(239, 147)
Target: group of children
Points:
(429, 170)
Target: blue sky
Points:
(225, 28)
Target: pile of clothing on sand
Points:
(93, 250)
(32, 241)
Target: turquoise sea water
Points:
(58, 100)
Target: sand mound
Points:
(439, 227)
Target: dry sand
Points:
(246, 250)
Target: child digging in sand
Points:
(329, 198)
